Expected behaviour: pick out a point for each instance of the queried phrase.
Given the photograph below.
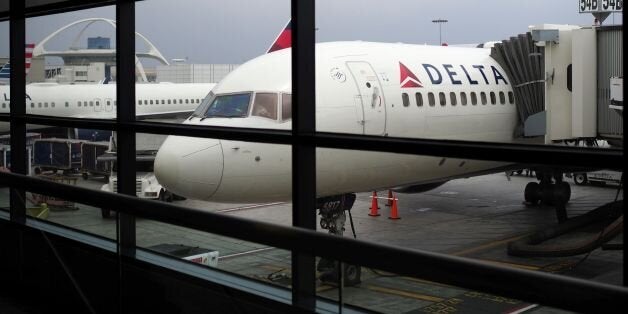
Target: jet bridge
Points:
(567, 82)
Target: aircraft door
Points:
(97, 103)
(108, 104)
(371, 95)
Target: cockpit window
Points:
(265, 105)
(230, 106)
(286, 107)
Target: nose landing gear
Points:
(332, 212)
(551, 190)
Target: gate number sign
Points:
(592, 6)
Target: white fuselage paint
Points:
(233, 171)
(98, 101)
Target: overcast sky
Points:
(237, 30)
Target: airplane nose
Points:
(190, 167)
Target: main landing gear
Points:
(332, 212)
(550, 190)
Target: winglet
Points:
(283, 40)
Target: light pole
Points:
(440, 23)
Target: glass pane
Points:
(243, 179)
(485, 210)
(76, 157)
(73, 66)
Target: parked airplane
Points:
(99, 101)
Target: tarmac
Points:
(475, 218)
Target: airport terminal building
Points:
(326, 177)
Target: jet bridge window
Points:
(419, 99)
(474, 98)
(430, 97)
(230, 106)
(265, 105)
(502, 98)
(442, 99)
(405, 99)
(286, 107)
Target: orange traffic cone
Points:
(374, 206)
(393, 210)
(390, 198)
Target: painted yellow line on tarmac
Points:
(489, 245)
(516, 265)
(407, 294)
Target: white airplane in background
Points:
(98, 101)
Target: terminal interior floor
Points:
(475, 218)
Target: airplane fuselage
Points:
(393, 90)
(99, 101)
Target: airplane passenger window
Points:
(151, 101)
(452, 95)
(168, 101)
(91, 104)
(4, 105)
(52, 104)
(139, 102)
(39, 104)
(79, 103)
(115, 102)
(163, 102)
(98, 103)
(493, 99)
(265, 105)
(483, 97)
(474, 98)
(463, 98)
(419, 99)
(186, 101)
(442, 99)
(46, 105)
(230, 106)
(430, 97)
(405, 99)
(502, 98)
(108, 103)
(511, 98)
(32, 105)
(286, 107)
(67, 104)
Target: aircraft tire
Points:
(580, 179)
(165, 196)
(531, 193)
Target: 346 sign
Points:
(591, 6)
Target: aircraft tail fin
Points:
(5, 71)
(283, 40)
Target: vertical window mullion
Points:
(17, 105)
(303, 155)
(125, 114)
